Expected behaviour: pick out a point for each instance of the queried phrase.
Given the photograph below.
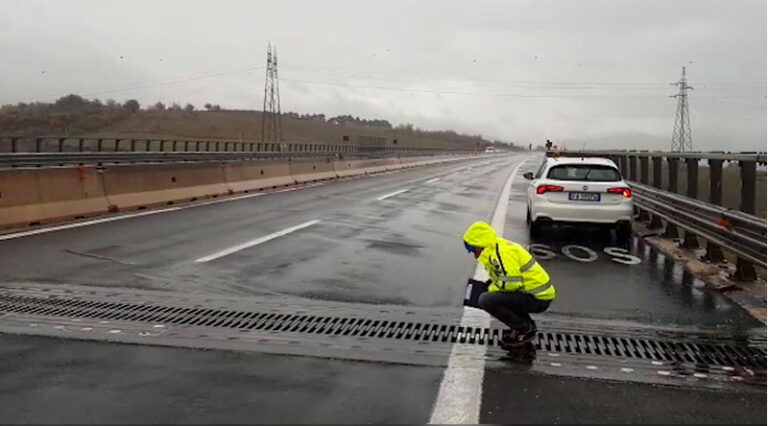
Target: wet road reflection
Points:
(600, 276)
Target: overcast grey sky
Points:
(578, 71)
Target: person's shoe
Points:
(508, 336)
(518, 338)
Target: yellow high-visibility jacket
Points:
(509, 264)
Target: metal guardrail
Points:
(128, 143)
(741, 233)
(82, 158)
(759, 157)
(646, 167)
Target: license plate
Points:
(584, 196)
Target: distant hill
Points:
(75, 116)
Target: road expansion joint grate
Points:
(389, 328)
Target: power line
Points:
(533, 84)
(491, 94)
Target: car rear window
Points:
(584, 172)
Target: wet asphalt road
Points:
(404, 249)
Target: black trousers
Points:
(513, 308)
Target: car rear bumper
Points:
(593, 213)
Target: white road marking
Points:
(627, 370)
(79, 224)
(124, 216)
(433, 180)
(700, 375)
(664, 373)
(255, 242)
(391, 194)
(460, 394)
(591, 367)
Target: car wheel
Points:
(623, 231)
(535, 229)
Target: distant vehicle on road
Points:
(579, 190)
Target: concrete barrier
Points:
(310, 171)
(246, 176)
(357, 167)
(138, 186)
(31, 196)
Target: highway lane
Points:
(356, 237)
(596, 290)
(391, 238)
(591, 283)
(386, 239)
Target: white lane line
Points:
(124, 216)
(79, 224)
(255, 242)
(461, 390)
(391, 194)
(433, 180)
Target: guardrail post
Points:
(673, 165)
(655, 219)
(14, 144)
(692, 165)
(99, 144)
(61, 144)
(117, 144)
(745, 271)
(644, 215)
(632, 167)
(748, 186)
(38, 145)
(133, 145)
(714, 252)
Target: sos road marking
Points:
(618, 254)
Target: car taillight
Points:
(626, 192)
(548, 188)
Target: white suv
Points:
(578, 190)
